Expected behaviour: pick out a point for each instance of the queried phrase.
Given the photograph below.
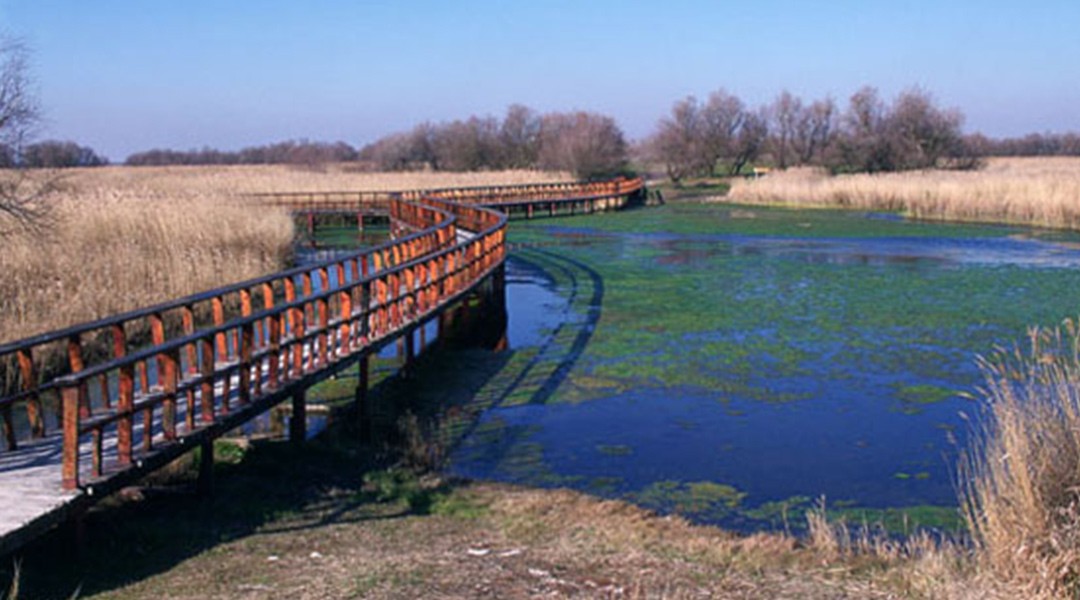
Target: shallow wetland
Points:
(739, 364)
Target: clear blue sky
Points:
(124, 76)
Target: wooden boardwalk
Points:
(90, 409)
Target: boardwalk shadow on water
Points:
(271, 487)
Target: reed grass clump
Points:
(119, 238)
(1021, 484)
(1042, 192)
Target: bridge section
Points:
(89, 409)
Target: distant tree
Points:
(21, 196)
(587, 144)
(863, 145)
(814, 132)
(53, 154)
(920, 134)
(911, 133)
(296, 152)
(748, 144)
(697, 135)
(678, 141)
(785, 115)
(723, 118)
(467, 145)
(519, 137)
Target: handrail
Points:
(238, 343)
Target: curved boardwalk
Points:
(91, 408)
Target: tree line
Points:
(585, 143)
(50, 154)
(719, 134)
(298, 152)
(698, 137)
(869, 135)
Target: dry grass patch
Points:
(524, 543)
(126, 237)
(222, 180)
(1022, 498)
(1043, 192)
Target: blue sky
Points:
(124, 76)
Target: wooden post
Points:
(75, 362)
(363, 410)
(207, 387)
(8, 427)
(247, 340)
(70, 464)
(410, 351)
(125, 403)
(168, 377)
(205, 483)
(298, 420)
(34, 413)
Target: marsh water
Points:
(737, 365)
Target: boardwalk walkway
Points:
(92, 408)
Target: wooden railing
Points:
(490, 196)
(134, 387)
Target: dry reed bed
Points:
(1043, 192)
(246, 179)
(1021, 485)
(126, 237)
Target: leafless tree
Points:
(786, 113)
(55, 154)
(752, 135)
(678, 140)
(814, 131)
(519, 137)
(467, 145)
(22, 196)
(588, 144)
(696, 136)
(921, 134)
(723, 118)
(864, 145)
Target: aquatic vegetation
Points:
(780, 353)
(705, 500)
(614, 449)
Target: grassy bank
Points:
(1028, 191)
(346, 528)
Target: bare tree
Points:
(519, 137)
(752, 135)
(786, 113)
(865, 144)
(588, 144)
(921, 134)
(467, 145)
(678, 140)
(814, 131)
(696, 136)
(722, 118)
(21, 196)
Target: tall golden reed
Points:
(1044, 192)
(126, 237)
(1021, 483)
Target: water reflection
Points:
(725, 375)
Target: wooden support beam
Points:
(298, 419)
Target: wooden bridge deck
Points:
(135, 391)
